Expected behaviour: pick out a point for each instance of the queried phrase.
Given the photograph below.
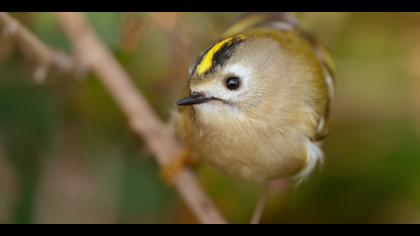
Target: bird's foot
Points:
(170, 172)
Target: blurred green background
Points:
(67, 154)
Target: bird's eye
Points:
(233, 83)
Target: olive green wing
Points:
(246, 21)
(328, 70)
(285, 21)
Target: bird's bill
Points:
(192, 100)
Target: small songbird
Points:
(258, 100)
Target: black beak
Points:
(194, 98)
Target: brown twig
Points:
(158, 136)
(30, 45)
(277, 187)
(261, 202)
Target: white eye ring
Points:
(238, 70)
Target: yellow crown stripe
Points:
(207, 60)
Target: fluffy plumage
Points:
(272, 125)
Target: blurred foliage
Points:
(67, 154)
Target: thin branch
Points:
(277, 186)
(259, 208)
(30, 45)
(159, 137)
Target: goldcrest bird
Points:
(258, 100)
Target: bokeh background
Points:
(67, 154)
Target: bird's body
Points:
(258, 101)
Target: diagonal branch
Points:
(30, 45)
(158, 136)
